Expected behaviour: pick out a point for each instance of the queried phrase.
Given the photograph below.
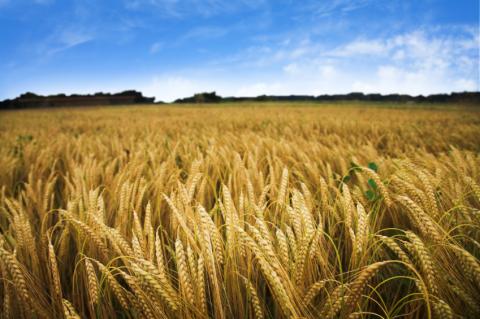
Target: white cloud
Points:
(424, 61)
(391, 79)
(419, 62)
(467, 85)
(171, 87)
(361, 47)
(261, 88)
(327, 71)
(413, 63)
(291, 68)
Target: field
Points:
(240, 211)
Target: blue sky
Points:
(174, 48)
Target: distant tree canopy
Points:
(463, 97)
(211, 97)
(32, 100)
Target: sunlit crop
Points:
(240, 211)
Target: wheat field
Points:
(240, 211)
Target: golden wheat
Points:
(262, 211)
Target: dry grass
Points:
(293, 211)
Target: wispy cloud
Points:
(44, 1)
(420, 49)
(204, 32)
(330, 7)
(204, 35)
(156, 47)
(373, 47)
(423, 61)
(182, 8)
(63, 40)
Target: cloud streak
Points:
(65, 40)
(206, 8)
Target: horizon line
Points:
(100, 93)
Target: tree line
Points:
(32, 100)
